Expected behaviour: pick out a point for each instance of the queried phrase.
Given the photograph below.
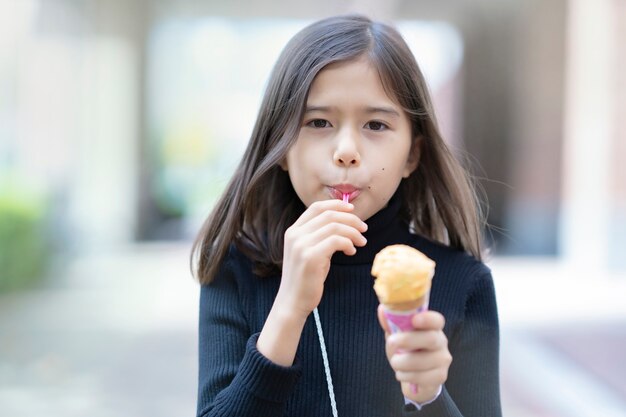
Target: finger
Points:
(327, 247)
(428, 320)
(334, 216)
(309, 240)
(337, 229)
(420, 361)
(431, 378)
(321, 206)
(418, 340)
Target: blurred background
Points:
(122, 120)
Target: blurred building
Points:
(129, 115)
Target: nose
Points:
(347, 152)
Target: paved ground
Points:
(114, 335)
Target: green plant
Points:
(24, 251)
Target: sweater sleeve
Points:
(235, 379)
(472, 388)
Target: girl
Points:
(345, 159)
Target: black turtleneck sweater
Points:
(235, 380)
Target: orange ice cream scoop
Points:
(403, 276)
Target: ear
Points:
(283, 164)
(413, 160)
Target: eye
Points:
(318, 123)
(376, 126)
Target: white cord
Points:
(329, 380)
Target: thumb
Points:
(383, 320)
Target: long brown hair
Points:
(259, 203)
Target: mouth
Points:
(340, 190)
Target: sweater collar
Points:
(384, 228)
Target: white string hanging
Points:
(329, 380)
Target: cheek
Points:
(301, 174)
(385, 183)
(300, 156)
(381, 190)
(389, 173)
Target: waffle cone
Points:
(410, 305)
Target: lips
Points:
(337, 191)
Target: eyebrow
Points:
(387, 110)
(369, 109)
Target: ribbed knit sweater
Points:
(236, 380)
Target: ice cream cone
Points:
(410, 305)
(403, 279)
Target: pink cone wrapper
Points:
(400, 321)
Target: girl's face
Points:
(354, 139)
